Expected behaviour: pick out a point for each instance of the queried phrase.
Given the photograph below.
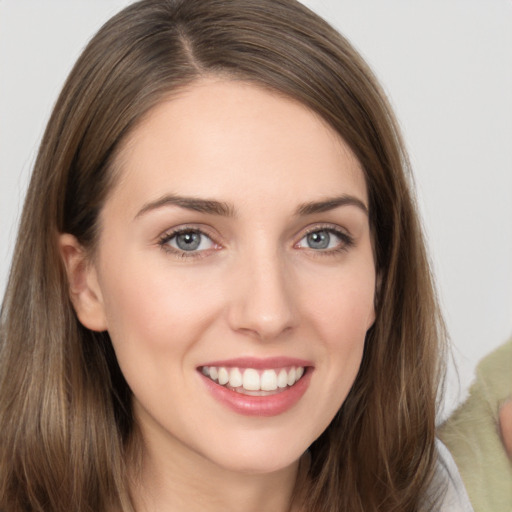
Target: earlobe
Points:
(373, 315)
(371, 319)
(376, 299)
(84, 289)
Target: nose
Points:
(263, 298)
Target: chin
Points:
(262, 456)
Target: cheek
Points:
(342, 307)
(155, 309)
(341, 313)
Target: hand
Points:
(506, 426)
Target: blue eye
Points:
(190, 240)
(318, 240)
(325, 240)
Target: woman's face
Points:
(235, 275)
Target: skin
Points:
(506, 426)
(255, 288)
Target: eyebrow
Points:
(214, 207)
(190, 203)
(330, 204)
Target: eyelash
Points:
(164, 240)
(346, 241)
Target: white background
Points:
(447, 67)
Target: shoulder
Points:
(447, 485)
(472, 434)
(493, 373)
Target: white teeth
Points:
(291, 377)
(223, 376)
(282, 379)
(235, 378)
(268, 380)
(250, 379)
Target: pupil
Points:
(188, 241)
(319, 240)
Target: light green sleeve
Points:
(472, 435)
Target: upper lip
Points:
(259, 363)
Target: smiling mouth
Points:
(253, 382)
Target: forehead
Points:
(237, 142)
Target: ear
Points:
(84, 289)
(376, 300)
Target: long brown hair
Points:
(65, 409)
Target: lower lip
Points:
(270, 405)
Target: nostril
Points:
(263, 315)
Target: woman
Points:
(220, 296)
